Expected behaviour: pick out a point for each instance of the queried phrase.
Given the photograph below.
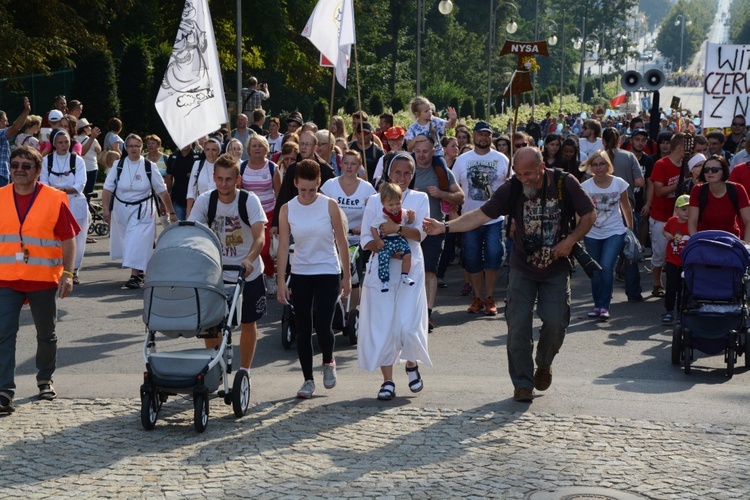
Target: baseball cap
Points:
(483, 127)
(639, 131)
(696, 160)
(683, 200)
(55, 115)
(395, 133)
(366, 127)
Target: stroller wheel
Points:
(287, 329)
(102, 229)
(686, 358)
(352, 326)
(747, 349)
(676, 344)
(241, 393)
(200, 402)
(91, 229)
(731, 355)
(149, 410)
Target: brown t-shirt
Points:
(540, 231)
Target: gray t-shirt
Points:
(426, 177)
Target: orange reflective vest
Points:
(36, 253)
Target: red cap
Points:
(395, 133)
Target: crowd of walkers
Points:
(415, 199)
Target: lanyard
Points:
(22, 219)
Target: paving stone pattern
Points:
(97, 448)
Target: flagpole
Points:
(330, 115)
(359, 105)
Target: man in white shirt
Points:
(591, 137)
(479, 173)
(241, 244)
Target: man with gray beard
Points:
(541, 201)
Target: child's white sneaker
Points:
(406, 280)
(386, 286)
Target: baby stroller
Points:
(344, 320)
(98, 225)
(185, 296)
(713, 309)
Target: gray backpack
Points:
(631, 247)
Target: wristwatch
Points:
(447, 228)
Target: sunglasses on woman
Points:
(22, 166)
(713, 170)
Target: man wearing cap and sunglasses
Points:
(479, 173)
(364, 145)
(37, 254)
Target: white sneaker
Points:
(270, 282)
(307, 390)
(329, 375)
(386, 286)
(406, 280)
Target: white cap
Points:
(695, 160)
(55, 115)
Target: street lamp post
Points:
(682, 21)
(445, 7)
(581, 43)
(511, 28)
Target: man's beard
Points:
(530, 191)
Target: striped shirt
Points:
(260, 182)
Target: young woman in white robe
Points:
(202, 178)
(133, 217)
(393, 324)
(56, 172)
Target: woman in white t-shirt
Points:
(202, 174)
(314, 221)
(351, 193)
(604, 241)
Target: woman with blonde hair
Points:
(338, 127)
(604, 241)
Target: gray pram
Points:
(185, 296)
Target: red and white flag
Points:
(191, 100)
(620, 98)
(331, 29)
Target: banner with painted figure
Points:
(726, 86)
(191, 100)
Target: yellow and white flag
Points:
(331, 29)
(191, 100)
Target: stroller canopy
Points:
(714, 264)
(184, 289)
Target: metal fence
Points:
(39, 88)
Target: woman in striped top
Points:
(262, 177)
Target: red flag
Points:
(620, 98)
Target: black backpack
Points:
(117, 181)
(703, 198)
(213, 202)
(567, 218)
(72, 164)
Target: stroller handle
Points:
(239, 269)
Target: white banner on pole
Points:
(191, 100)
(726, 86)
(331, 29)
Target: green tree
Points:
(135, 87)
(375, 106)
(467, 108)
(320, 113)
(96, 85)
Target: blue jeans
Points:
(605, 252)
(44, 312)
(180, 211)
(483, 248)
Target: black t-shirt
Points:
(371, 157)
(535, 131)
(179, 167)
(647, 165)
(544, 229)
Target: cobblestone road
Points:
(97, 448)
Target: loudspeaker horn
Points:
(631, 81)
(653, 79)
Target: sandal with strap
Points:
(387, 391)
(415, 385)
(658, 291)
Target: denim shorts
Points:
(483, 248)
